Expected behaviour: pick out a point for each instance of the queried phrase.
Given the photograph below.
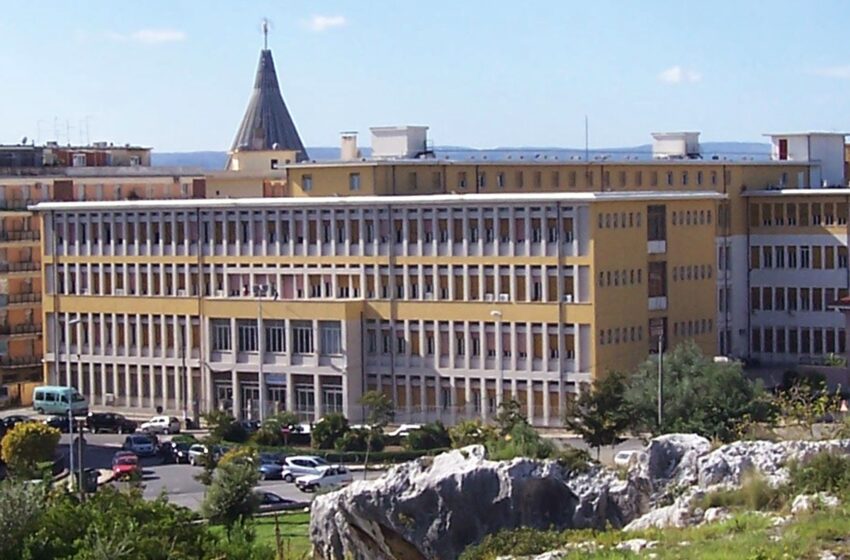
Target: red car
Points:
(125, 464)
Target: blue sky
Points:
(176, 74)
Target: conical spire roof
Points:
(267, 124)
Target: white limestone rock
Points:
(715, 515)
(805, 503)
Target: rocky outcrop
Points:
(805, 503)
(433, 508)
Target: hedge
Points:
(354, 457)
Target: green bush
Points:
(825, 472)
(574, 459)
(429, 436)
(754, 494)
(522, 441)
(357, 440)
(185, 438)
(328, 430)
(471, 432)
(521, 542)
(224, 427)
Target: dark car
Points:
(109, 422)
(175, 452)
(270, 501)
(250, 426)
(59, 422)
(15, 419)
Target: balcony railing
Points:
(23, 328)
(20, 267)
(29, 297)
(16, 204)
(25, 361)
(20, 235)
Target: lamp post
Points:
(497, 315)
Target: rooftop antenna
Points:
(265, 26)
(586, 140)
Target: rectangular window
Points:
(805, 257)
(221, 336)
(656, 223)
(331, 333)
(275, 337)
(805, 300)
(755, 299)
(354, 181)
(791, 214)
(307, 183)
(792, 299)
(461, 179)
(658, 279)
(792, 257)
(247, 331)
(302, 337)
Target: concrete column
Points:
(546, 403)
(317, 396)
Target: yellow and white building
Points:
(451, 285)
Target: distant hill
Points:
(731, 150)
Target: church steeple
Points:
(267, 124)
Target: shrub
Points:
(224, 427)
(522, 441)
(328, 430)
(754, 494)
(239, 455)
(471, 432)
(231, 497)
(357, 440)
(28, 444)
(184, 438)
(574, 459)
(521, 542)
(429, 436)
(825, 472)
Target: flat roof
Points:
(99, 172)
(615, 159)
(811, 133)
(820, 191)
(433, 200)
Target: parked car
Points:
(51, 399)
(175, 452)
(250, 426)
(628, 458)
(327, 477)
(162, 425)
(139, 444)
(300, 465)
(125, 464)
(269, 501)
(59, 422)
(109, 422)
(15, 419)
(270, 467)
(199, 452)
(404, 430)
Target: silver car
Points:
(141, 445)
(300, 465)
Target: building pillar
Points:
(317, 396)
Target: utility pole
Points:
(660, 378)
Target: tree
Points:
(21, 508)
(380, 411)
(700, 395)
(430, 436)
(508, 416)
(329, 429)
(28, 444)
(804, 405)
(470, 432)
(361, 439)
(224, 427)
(230, 499)
(600, 415)
(277, 428)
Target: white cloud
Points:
(840, 72)
(149, 36)
(678, 75)
(322, 23)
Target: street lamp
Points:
(497, 315)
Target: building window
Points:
(307, 183)
(221, 336)
(275, 337)
(657, 279)
(247, 332)
(500, 179)
(656, 223)
(331, 334)
(273, 164)
(302, 338)
(461, 179)
(354, 181)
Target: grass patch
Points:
(825, 472)
(755, 494)
(294, 533)
(746, 536)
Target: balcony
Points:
(16, 205)
(20, 236)
(22, 362)
(20, 300)
(23, 329)
(21, 268)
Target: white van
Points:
(57, 400)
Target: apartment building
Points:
(449, 303)
(30, 179)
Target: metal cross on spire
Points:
(265, 28)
